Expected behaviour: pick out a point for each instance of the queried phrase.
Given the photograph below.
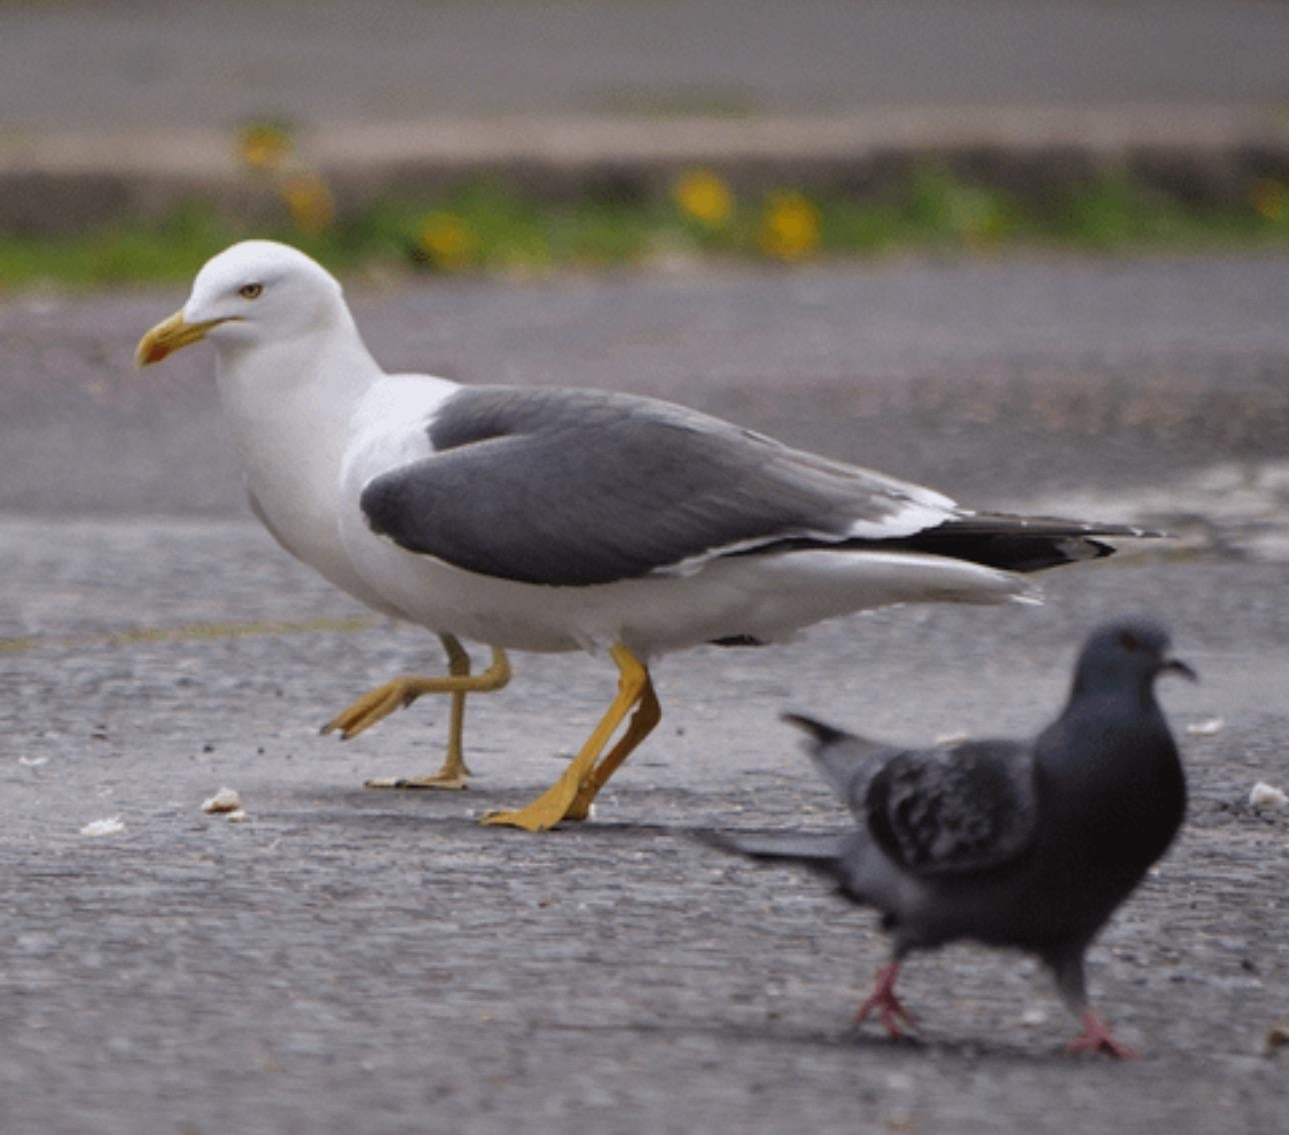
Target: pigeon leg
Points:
(889, 1007)
(401, 692)
(1096, 1037)
(647, 715)
(559, 801)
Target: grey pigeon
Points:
(1030, 844)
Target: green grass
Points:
(498, 230)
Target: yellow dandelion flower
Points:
(448, 241)
(309, 201)
(703, 196)
(790, 227)
(263, 146)
(1270, 199)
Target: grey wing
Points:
(947, 811)
(577, 487)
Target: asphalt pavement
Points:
(347, 960)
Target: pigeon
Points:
(1030, 844)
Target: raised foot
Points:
(374, 705)
(448, 781)
(1096, 1038)
(890, 1009)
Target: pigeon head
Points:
(1127, 653)
(254, 292)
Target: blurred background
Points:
(326, 61)
(521, 135)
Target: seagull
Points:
(1030, 844)
(542, 519)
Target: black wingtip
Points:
(824, 734)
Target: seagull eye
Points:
(250, 291)
(1129, 641)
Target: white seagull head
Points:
(255, 292)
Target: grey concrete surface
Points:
(350, 961)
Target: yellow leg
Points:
(647, 715)
(402, 692)
(454, 772)
(558, 801)
(454, 766)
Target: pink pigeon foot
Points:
(889, 1007)
(1096, 1038)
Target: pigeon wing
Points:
(954, 811)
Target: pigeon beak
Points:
(1177, 666)
(169, 336)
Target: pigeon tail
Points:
(844, 760)
(821, 851)
(822, 733)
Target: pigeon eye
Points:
(250, 291)
(1129, 641)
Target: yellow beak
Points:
(168, 336)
